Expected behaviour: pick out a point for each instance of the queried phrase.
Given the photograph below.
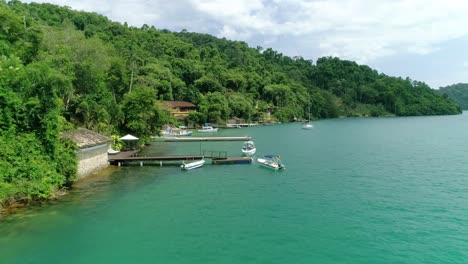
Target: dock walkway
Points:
(216, 158)
(122, 159)
(200, 139)
(123, 154)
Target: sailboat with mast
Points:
(307, 124)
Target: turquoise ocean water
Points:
(377, 190)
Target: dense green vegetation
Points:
(61, 68)
(457, 92)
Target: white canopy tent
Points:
(130, 142)
(128, 137)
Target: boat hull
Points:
(249, 148)
(192, 165)
(208, 130)
(270, 164)
(188, 133)
(249, 152)
(177, 134)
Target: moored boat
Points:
(176, 132)
(208, 129)
(249, 148)
(272, 161)
(183, 131)
(192, 165)
(307, 125)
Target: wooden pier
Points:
(122, 160)
(128, 157)
(240, 125)
(217, 157)
(232, 160)
(200, 139)
(123, 154)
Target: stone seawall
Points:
(90, 165)
(92, 160)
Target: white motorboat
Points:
(272, 161)
(192, 165)
(207, 129)
(176, 132)
(307, 125)
(183, 131)
(249, 148)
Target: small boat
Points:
(192, 165)
(272, 161)
(249, 148)
(307, 125)
(183, 131)
(112, 151)
(207, 129)
(176, 132)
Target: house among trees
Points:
(92, 153)
(235, 122)
(179, 109)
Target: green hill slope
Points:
(458, 93)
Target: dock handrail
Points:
(215, 154)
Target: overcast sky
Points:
(421, 39)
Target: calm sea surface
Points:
(377, 190)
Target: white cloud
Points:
(231, 33)
(362, 30)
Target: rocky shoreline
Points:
(12, 205)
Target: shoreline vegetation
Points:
(85, 184)
(457, 92)
(62, 69)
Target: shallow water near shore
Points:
(376, 190)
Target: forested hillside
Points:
(61, 68)
(458, 93)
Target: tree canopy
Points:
(457, 92)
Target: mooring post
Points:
(118, 163)
(141, 163)
(160, 163)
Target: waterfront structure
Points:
(234, 122)
(179, 109)
(92, 154)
